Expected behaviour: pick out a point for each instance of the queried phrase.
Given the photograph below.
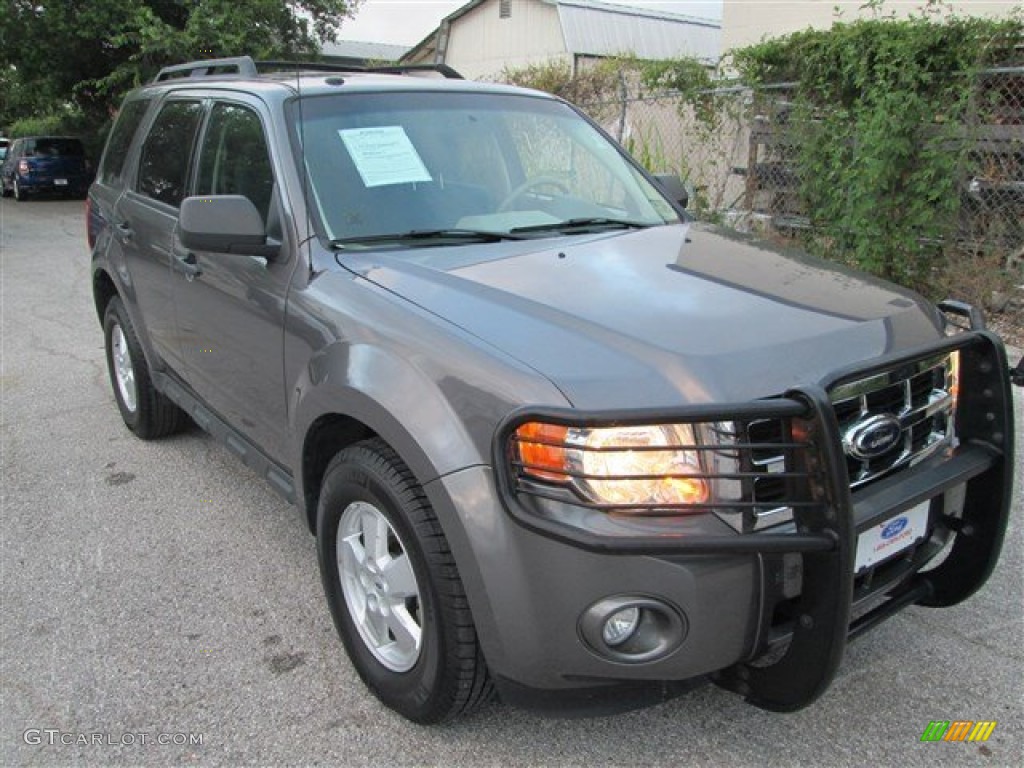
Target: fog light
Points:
(632, 629)
(620, 626)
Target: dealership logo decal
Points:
(895, 528)
(958, 730)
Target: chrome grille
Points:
(918, 396)
(768, 491)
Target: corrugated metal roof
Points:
(601, 29)
(593, 28)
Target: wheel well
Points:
(103, 290)
(327, 435)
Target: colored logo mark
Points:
(958, 730)
(895, 528)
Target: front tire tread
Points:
(468, 683)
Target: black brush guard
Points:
(826, 530)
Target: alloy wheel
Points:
(380, 587)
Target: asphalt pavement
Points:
(161, 605)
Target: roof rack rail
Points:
(245, 66)
(238, 65)
(308, 66)
(405, 69)
(383, 69)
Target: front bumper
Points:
(530, 577)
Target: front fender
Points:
(438, 416)
(393, 399)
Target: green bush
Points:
(67, 122)
(587, 85)
(881, 124)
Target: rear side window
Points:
(120, 138)
(163, 166)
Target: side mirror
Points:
(673, 186)
(224, 224)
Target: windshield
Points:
(398, 165)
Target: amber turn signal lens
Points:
(542, 450)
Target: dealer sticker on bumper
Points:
(894, 535)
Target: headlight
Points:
(621, 466)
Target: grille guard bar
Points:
(976, 322)
(826, 534)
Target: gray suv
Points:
(553, 438)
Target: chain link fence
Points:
(739, 150)
(992, 213)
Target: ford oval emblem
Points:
(872, 436)
(894, 528)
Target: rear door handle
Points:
(125, 231)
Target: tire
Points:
(145, 411)
(371, 503)
(4, 190)
(19, 194)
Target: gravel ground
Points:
(1010, 326)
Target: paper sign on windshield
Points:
(384, 155)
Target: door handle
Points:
(188, 265)
(124, 231)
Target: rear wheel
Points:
(394, 590)
(145, 411)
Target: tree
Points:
(85, 54)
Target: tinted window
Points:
(56, 147)
(163, 167)
(117, 147)
(233, 159)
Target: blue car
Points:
(45, 164)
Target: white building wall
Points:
(481, 44)
(749, 21)
(617, 30)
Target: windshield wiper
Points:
(571, 225)
(427, 237)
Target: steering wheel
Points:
(528, 186)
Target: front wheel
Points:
(19, 194)
(394, 590)
(145, 410)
